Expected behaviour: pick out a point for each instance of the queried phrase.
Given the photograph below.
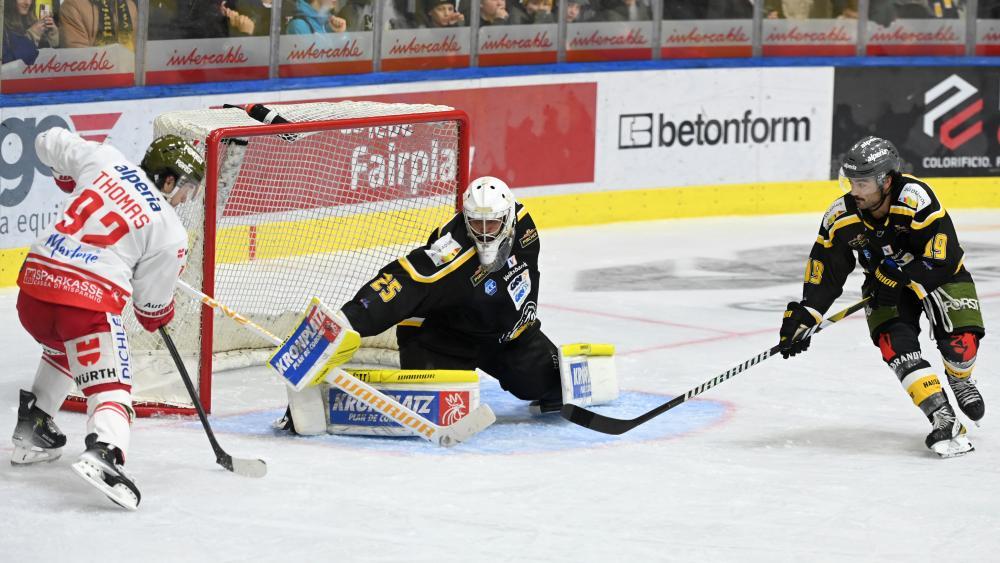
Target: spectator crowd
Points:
(31, 25)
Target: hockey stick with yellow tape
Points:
(312, 354)
(609, 425)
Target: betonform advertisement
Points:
(705, 126)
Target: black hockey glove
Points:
(797, 318)
(889, 284)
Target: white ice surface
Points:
(818, 458)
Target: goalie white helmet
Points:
(488, 206)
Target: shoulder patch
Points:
(915, 197)
(443, 250)
(529, 237)
(836, 210)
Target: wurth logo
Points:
(954, 131)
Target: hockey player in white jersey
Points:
(118, 238)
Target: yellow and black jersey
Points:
(442, 284)
(917, 234)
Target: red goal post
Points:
(312, 207)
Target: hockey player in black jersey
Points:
(907, 245)
(469, 298)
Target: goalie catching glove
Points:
(797, 319)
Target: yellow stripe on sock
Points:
(921, 384)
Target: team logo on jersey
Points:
(859, 241)
(490, 287)
(529, 236)
(512, 261)
(479, 275)
(519, 288)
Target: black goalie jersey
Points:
(442, 285)
(917, 234)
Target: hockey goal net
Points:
(288, 211)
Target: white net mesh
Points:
(310, 214)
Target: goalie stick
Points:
(466, 427)
(245, 467)
(615, 426)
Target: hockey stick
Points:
(609, 425)
(446, 436)
(245, 467)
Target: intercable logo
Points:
(961, 91)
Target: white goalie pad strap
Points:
(308, 410)
(442, 397)
(588, 374)
(322, 341)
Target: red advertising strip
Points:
(75, 82)
(987, 50)
(914, 50)
(325, 69)
(598, 55)
(503, 59)
(726, 51)
(221, 74)
(539, 135)
(809, 50)
(425, 63)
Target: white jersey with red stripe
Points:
(118, 237)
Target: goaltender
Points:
(468, 299)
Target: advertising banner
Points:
(746, 125)
(179, 61)
(324, 54)
(609, 41)
(987, 37)
(416, 49)
(112, 66)
(517, 44)
(819, 37)
(917, 37)
(943, 120)
(696, 39)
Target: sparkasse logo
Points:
(953, 92)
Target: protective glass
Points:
(186, 189)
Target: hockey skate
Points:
(36, 437)
(101, 466)
(947, 438)
(970, 402)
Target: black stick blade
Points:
(592, 420)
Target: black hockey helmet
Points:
(870, 157)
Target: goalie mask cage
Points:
(312, 207)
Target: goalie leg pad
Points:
(588, 374)
(308, 410)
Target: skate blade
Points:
(958, 446)
(30, 455)
(93, 474)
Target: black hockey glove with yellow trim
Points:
(889, 284)
(797, 318)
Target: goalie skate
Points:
(100, 467)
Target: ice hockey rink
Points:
(817, 458)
